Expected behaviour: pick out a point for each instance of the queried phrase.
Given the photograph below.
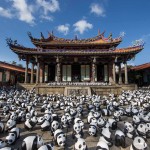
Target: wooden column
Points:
(93, 69)
(26, 72)
(41, 74)
(45, 73)
(37, 70)
(58, 71)
(126, 73)
(120, 74)
(114, 73)
(32, 73)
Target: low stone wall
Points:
(79, 90)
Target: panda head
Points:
(55, 125)
(136, 119)
(77, 128)
(102, 145)
(28, 115)
(60, 137)
(10, 123)
(78, 120)
(2, 143)
(13, 116)
(97, 114)
(101, 122)
(92, 129)
(64, 119)
(10, 138)
(138, 144)
(6, 108)
(128, 127)
(142, 129)
(80, 144)
(40, 120)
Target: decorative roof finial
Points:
(52, 33)
(76, 37)
(42, 36)
(99, 32)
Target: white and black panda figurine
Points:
(54, 126)
(10, 124)
(93, 129)
(129, 130)
(80, 144)
(32, 143)
(2, 143)
(45, 124)
(101, 145)
(141, 130)
(14, 134)
(30, 123)
(60, 138)
(120, 138)
(77, 131)
(112, 123)
(139, 144)
(2, 127)
(47, 147)
(106, 136)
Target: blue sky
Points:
(67, 18)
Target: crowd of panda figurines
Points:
(61, 116)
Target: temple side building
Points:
(92, 60)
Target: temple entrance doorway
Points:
(76, 72)
(100, 73)
(51, 73)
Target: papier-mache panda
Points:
(13, 135)
(47, 147)
(60, 138)
(77, 131)
(119, 138)
(93, 129)
(138, 144)
(101, 145)
(80, 144)
(32, 143)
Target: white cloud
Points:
(24, 11)
(5, 13)
(97, 9)
(48, 6)
(63, 29)
(82, 25)
(45, 17)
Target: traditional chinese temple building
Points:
(90, 61)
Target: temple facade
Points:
(60, 60)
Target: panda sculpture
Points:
(60, 138)
(14, 134)
(80, 144)
(47, 147)
(120, 138)
(10, 124)
(2, 127)
(32, 143)
(30, 123)
(78, 120)
(93, 129)
(2, 143)
(129, 130)
(106, 136)
(142, 130)
(45, 124)
(112, 123)
(54, 126)
(138, 144)
(101, 145)
(77, 131)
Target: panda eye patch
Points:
(59, 137)
(83, 143)
(80, 146)
(139, 140)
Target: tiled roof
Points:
(12, 67)
(20, 49)
(141, 67)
